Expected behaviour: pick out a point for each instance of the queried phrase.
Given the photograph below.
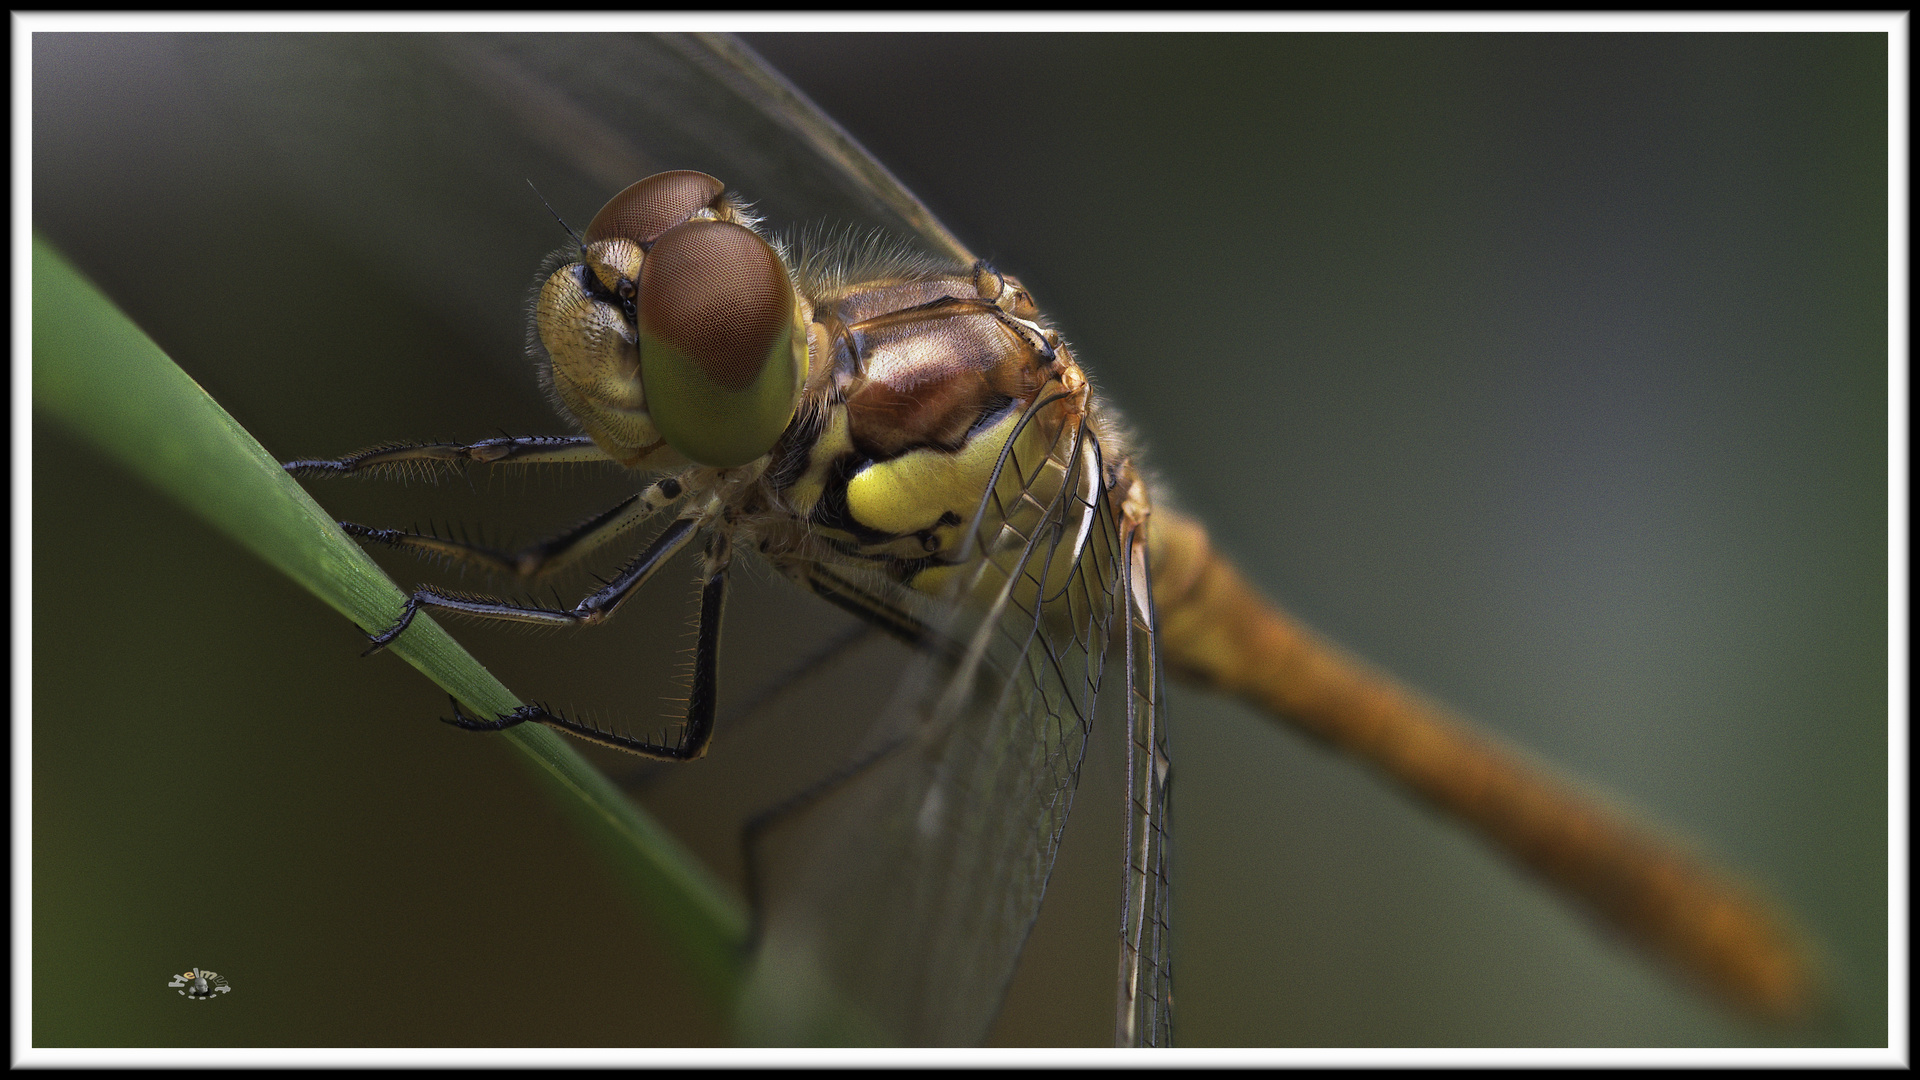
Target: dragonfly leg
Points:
(767, 820)
(545, 556)
(696, 732)
(426, 459)
(864, 604)
(596, 608)
(745, 714)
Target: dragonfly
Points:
(1015, 590)
(834, 184)
(911, 442)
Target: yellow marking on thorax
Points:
(913, 491)
(1031, 495)
(833, 442)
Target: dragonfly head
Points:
(678, 324)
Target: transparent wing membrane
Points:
(1146, 973)
(900, 901)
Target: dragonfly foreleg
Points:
(594, 609)
(697, 730)
(423, 458)
(545, 556)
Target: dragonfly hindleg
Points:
(772, 817)
(696, 732)
(745, 713)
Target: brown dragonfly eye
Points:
(721, 356)
(650, 207)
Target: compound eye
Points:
(721, 355)
(650, 207)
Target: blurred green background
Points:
(1548, 372)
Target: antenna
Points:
(581, 244)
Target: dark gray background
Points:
(1548, 372)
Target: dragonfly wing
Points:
(1146, 972)
(899, 899)
(385, 135)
